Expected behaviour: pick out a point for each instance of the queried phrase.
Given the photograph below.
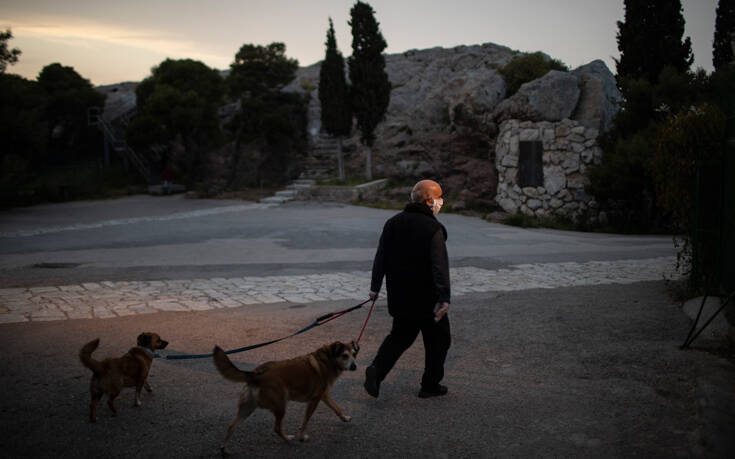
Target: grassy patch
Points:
(347, 181)
(529, 221)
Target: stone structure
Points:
(567, 149)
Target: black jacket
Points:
(413, 257)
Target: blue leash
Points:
(319, 321)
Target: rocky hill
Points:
(446, 107)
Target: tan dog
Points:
(111, 375)
(307, 378)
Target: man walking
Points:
(412, 256)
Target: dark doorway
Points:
(530, 164)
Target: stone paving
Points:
(116, 299)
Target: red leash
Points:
(366, 322)
(328, 317)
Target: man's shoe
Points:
(438, 391)
(372, 386)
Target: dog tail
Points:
(85, 355)
(227, 369)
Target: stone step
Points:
(296, 186)
(303, 182)
(315, 174)
(286, 193)
(324, 138)
(319, 166)
(275, 200)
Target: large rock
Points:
(120, 100)
(430, 88)
(600, 98)
(552, 97)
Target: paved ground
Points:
(564, 344)
(149, 238)
(108, 299)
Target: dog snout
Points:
(163, 344)
(353, 367)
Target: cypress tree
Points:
(650, 38)
(722, 52)
(370, 85)
(334, 96)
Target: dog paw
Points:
(137, 403)
(346, 418)
(288, 437)
(304, 437)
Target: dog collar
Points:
(147, 350)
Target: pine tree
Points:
(722, 52)
(334, 96)
(370, 85)
(650, 39)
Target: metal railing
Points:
(119, 144)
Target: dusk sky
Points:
(111, 42)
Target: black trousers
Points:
(437, 339)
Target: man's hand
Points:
(440, 310)
(373, 295)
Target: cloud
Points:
(88, 35)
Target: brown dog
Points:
(307, 378)
(111, 375)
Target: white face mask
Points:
(437, 205)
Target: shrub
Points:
(623, 181)
(687, 141)
(527, 68)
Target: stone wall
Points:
(347, 194)
(569, 148)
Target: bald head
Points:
(426, 190)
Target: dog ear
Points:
(335, 349)
(355, 347)
(144, 340)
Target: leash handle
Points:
(366, 321)
(333, 315)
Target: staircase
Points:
(290, 192)
(320, 165)
(322, 161)
(114, 134)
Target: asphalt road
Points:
(592, 371)
(146, 238)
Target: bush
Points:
(623, 182)
(685, 143)
(527, 68)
